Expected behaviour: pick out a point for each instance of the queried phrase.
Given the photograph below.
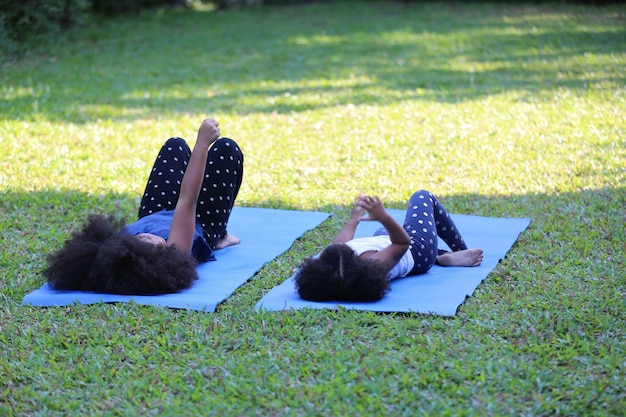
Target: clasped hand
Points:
(368, 208)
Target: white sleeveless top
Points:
(378, 243)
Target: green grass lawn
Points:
(499, 110)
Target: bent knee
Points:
(421, 194)
(227, 146)
(174, 141)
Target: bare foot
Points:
(467, 257)
(229, 240)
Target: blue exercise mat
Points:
(441, 290)
(264, 233)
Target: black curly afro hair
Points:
(339, 275)
(98, 258)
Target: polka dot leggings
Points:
(222, 178)
(425, 220)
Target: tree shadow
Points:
(54, 211)
(312, 62)
(607, 204)
(584, 229)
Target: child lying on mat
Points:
(360, 269)
(182, 219)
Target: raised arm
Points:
(347, 233)
(184, 220)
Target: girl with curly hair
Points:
(182, 220)
(360, 269)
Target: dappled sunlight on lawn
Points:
(500, 110)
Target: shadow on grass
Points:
(584, 228)
(51, 213)
(57, 209)
(193, 60)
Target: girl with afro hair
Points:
(182, 220)
(359, 270)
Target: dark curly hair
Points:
(99, 258)
(339, 275)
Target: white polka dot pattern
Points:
(426, 217)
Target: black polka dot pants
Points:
(222, 178)
(425, 220)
